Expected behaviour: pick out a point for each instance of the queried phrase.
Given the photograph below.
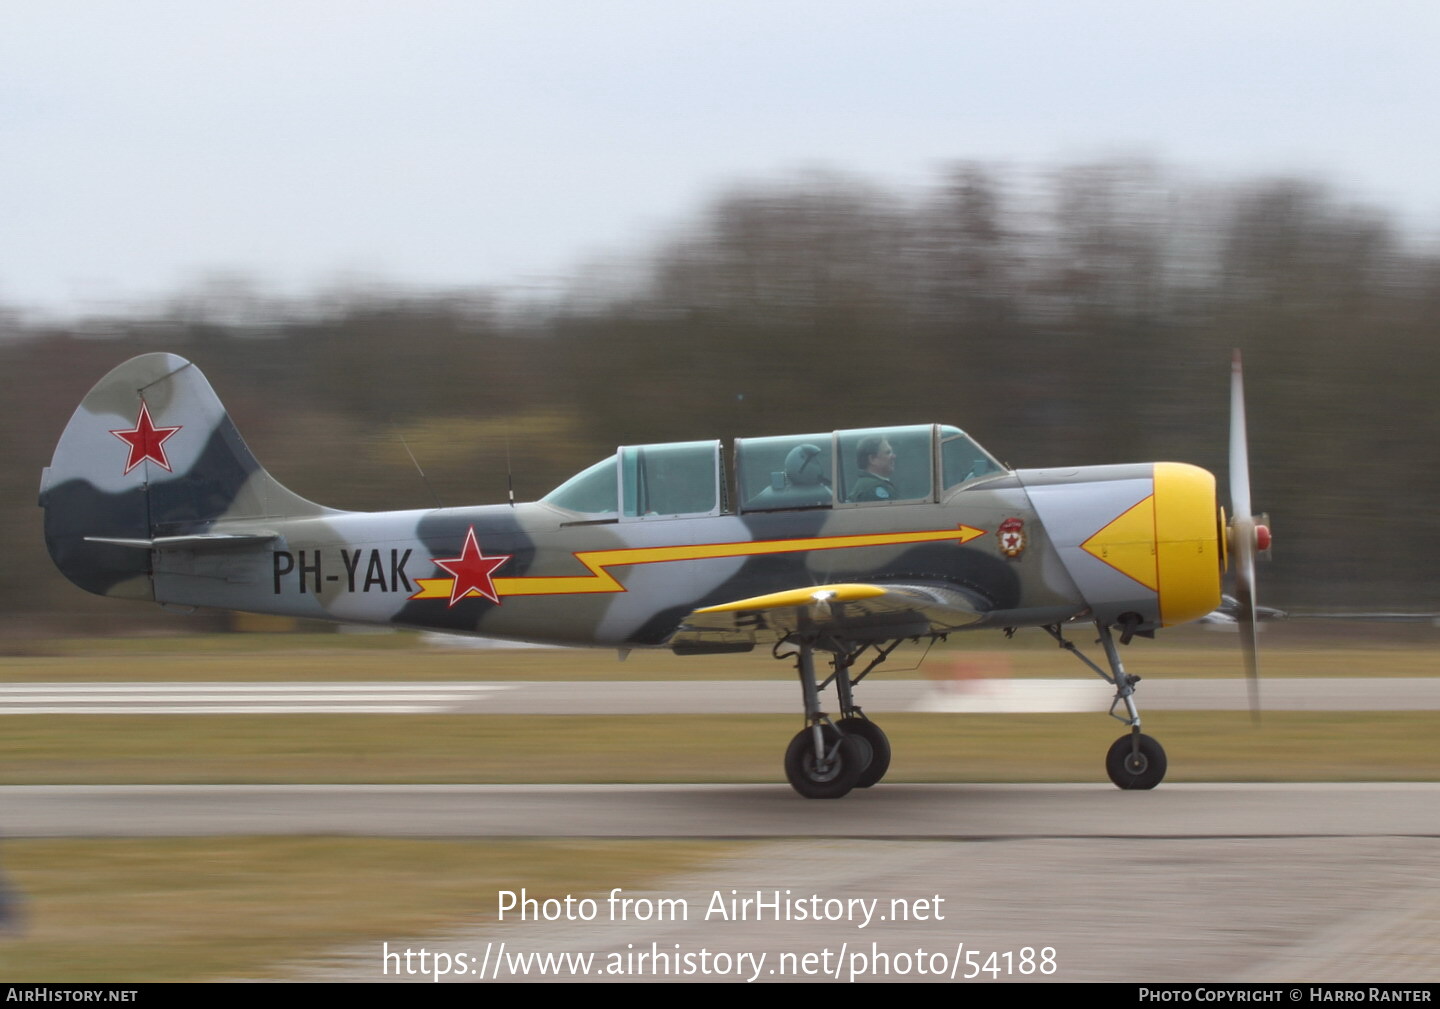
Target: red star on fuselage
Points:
(146, 441)
(472, 570)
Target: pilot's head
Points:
(874, 455)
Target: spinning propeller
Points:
(1248, 534)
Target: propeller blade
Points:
(1239, 444)
(1244, 532)
(1243, 552)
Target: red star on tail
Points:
(472, 570)
(146, 441)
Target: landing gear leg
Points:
(853, 722)
(1135, 760)
(822, 762)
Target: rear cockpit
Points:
(858, 468)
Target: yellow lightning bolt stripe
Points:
(598, 561)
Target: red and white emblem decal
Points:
(1011, 535)
(146, 441)
(472, 570)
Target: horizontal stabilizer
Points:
(198, 541)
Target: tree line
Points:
(1075, 316)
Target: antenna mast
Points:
(423, 477)
(509, 473)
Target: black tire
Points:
(1136, 761)
(834, 781)
(879, 748)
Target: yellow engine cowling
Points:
(1187, 542)
(1168, 542)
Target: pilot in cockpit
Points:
(876, 461)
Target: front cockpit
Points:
(858, 468)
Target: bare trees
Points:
(1078, 315)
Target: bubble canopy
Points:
(861, 468)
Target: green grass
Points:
(374, 749)
(187, 910)
(1186, 652)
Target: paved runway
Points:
(1291, 911)
(1191, 882)
(780, 696)
(886, 811)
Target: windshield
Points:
(962, 460)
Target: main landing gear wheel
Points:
(879, 747)
(1136, 761)
(837, 774)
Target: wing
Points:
(849, 612)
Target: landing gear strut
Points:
(827, 759)
(1135, 760)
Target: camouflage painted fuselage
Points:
(152, 494)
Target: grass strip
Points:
(172, 909)
(379, 749)
(401, 657)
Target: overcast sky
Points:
(144, 144)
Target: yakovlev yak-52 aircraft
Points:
(840, 543)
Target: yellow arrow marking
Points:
(598, 561)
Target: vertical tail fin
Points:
(149, 453)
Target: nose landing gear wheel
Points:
(833, 777)
(1136, 761)
(879, 748)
